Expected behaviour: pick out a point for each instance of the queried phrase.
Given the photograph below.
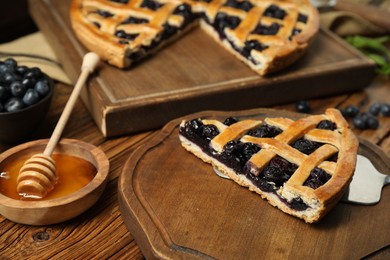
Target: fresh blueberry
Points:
(303, 106)
(372, 122)
(29, 82)
(359, 122)
(351, 110)
(9, 77)
(18, 89)
(42, 87)
(375, 109)
(385, 110)
(31, 97)
(11, 63)
(4, 93)
(21, 70)
(13, 104)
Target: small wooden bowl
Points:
(57, 210)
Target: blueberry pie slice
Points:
(302, 167)
(268, 35)
(125, 31)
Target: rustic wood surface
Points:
(170, 199)
(194, 73)
(101, 232)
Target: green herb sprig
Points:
(375, 49)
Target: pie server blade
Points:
(366, 186)
(367, 183)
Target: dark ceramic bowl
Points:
(15, 127)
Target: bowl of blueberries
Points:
(25, 97)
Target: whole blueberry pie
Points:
(268, 35)
(302, 167)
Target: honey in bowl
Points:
(73, 174)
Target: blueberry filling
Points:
(151, 4)
(194, 131)
(265, 131)
(135, 20)
(242, 5)
(105, 14)
(96, 24)
(223, 21)
(305, 146)
(128, 36)
(184, 10)
(120, 1)
(317, 178)
(249, 46)
(267, 30)
(296, 203)
(230, 120)
(237, 154)
(278, 171)
(275, 12)
(295, 32)
(326, 124)
(302, 18)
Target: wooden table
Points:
(100, 232)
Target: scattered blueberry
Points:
(303, 106)
(351, 111)
(359, 122)
(372, 122)
(385, 110)
(375, 109)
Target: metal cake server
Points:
(367, 183)
(366, 186)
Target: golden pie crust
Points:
(282, 49)
(319, 201)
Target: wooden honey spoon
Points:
(38, 174)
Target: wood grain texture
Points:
(185, 210)
(101, 232)
(195, 73)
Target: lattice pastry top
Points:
(267, 35)
(302, 167)
(123, 32)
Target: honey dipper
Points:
(38, 174)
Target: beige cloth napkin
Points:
(34, 51)
(347, 23)
(342, 23)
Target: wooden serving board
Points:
(193, 74)
(175, 206)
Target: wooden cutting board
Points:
(175, 206)
(193, 74)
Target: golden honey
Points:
(73, 173)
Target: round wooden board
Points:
(175, 206)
